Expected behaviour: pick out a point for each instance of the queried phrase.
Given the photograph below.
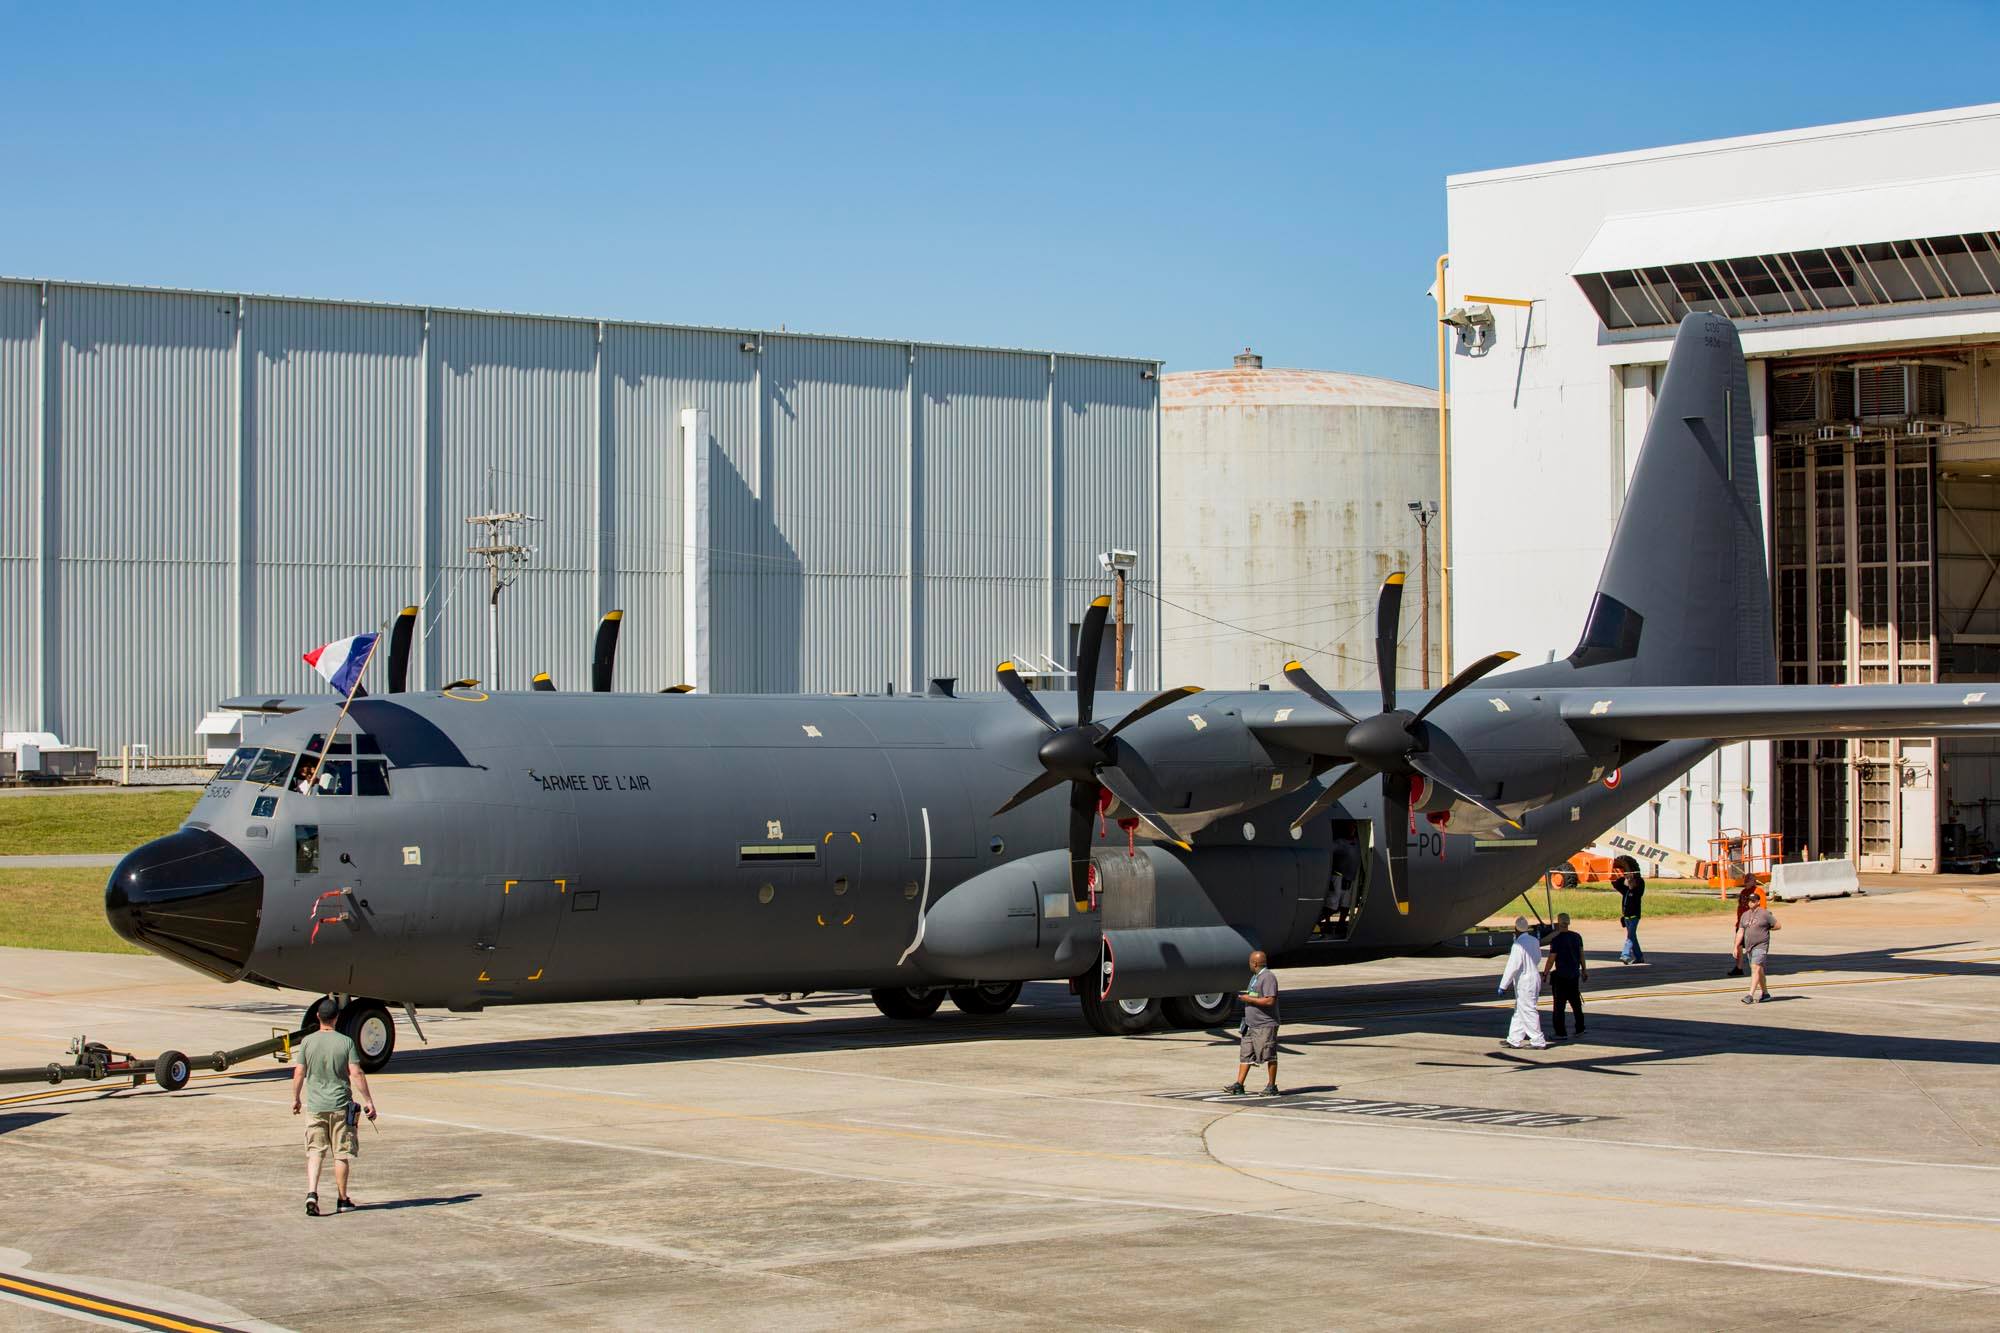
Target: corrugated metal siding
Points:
(514, 419)
(144, 415)
(982, 551)
(20, 519)
(333, 399)
(650, 376)
(360, 443)
(835, 496)
(1107, 495)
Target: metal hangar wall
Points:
(197, 486)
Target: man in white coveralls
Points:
(1524, 974)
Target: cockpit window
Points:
(270, 766)
(326, 768)
(239, 764)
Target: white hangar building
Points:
(1861, 264)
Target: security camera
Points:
(1474, 325)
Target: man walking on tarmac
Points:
(1260, 1026)
(323, 1067)
(1524, 974)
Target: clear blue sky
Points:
(1163, 180)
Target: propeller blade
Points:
(1388, 612)
(1396, 827)
(1152, 706)
(1031, 791)
(1350, 777)
(1010, 681)
(604, 652)
(1440, 774)
(399, 650)
(1316, 692)
(678, 689)
(1082, 818)
(542, 681)
(1089, 647)
(464, 683)
(1465, 678)
(1122, 787)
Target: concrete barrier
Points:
(1793, 880)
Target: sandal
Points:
(312, 1205)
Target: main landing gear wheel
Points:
(369, 1024)
(1117, 1018)
(988, 998)
(1199, 1011)
(171, 1071)
(907, 1001)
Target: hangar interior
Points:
(1884, 513)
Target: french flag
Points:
(341, 661)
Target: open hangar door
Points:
(1886, 569)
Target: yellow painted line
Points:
(1150, 1159)
(1498, 300)
(64, 1299)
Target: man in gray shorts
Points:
(1753, 941)
(1260, 1025)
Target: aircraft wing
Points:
(1764, 712)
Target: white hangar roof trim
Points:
(1952, 205)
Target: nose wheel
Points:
(367, 1024)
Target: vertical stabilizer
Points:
(1684, 598)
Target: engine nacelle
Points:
(1526, 757)
(1201, 763)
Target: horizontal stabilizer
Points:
(1765, 712)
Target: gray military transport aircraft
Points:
(468, 848)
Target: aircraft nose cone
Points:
(192, 897)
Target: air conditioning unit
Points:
(1888, 391)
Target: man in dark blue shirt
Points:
(1566, 970)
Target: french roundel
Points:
(1611, 779)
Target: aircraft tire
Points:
(993, 997)
(1199, 1011)
(171, 1071)
(368, 1023)
(1118, 1018)
(907, 1002)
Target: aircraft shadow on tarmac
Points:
(1361, 1012)
(22, 1119)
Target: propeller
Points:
(604, 652)
(678, 689)
(1396, 742)
(399, 649)
(542, 681)
(1082, 755)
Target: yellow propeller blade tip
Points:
(1394, 580)
(1004, 666)
(541, 675)
(409, 610)
(1100, 601)
(1506, 657)
(1293, 666)
(614, 615)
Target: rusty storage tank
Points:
(1285, 500)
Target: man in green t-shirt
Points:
(323, 1066)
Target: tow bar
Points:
(94, 1062)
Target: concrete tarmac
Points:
(1829, 1158)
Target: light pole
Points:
(1425, 511)
(1120, 563)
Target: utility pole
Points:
(1425, 511)
(1120, 563)
(504, 558)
